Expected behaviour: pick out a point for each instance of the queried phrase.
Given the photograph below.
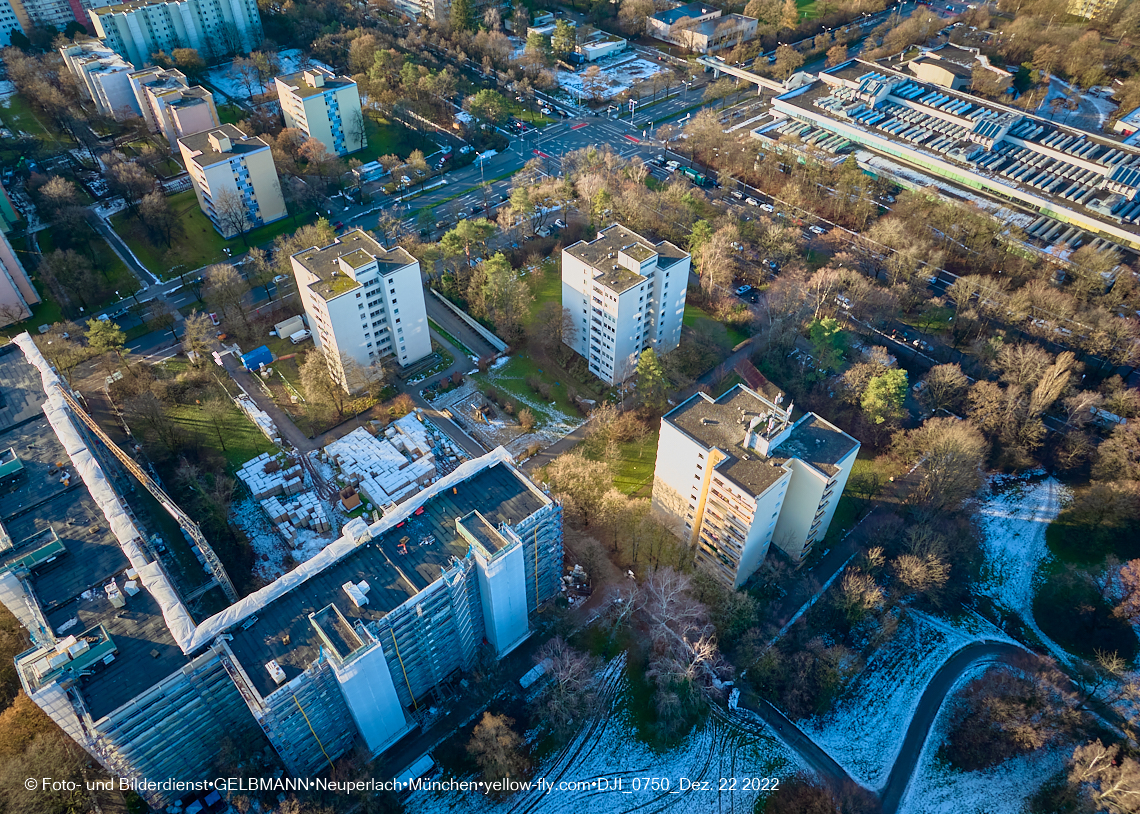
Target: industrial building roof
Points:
(358, 248)
(49, 509)
(282, 631)
(723, 423)
(1060, 166)
(240, 144)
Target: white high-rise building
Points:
(363, 301)
(625, 294)
(103, 75)
(323, 106)
(741, 472)
(139, 28)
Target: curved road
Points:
(929, 705)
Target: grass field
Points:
(545, 285)
(391, 138)
(851, 506)
(230, 114)
(118, 277)
(18, 117)
(511, 378)
(240, 441)
(199, 244)
(633, 464)
(697, 318)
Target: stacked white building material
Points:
(268, 475)
(378, 467)
(304, 511)
(410, 435)
(258, 417)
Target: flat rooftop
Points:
(723, 423)
(671, 16)
(240, 144)
(39, 505)
(358, 248)
(431, 540)
(601, 254)
(303, 89)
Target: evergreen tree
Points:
(462, 15)
(652, 386)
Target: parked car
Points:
(338, 225)
(919, 386)
(768, 207)
(751, 201)
(736, 193)
(816, 230)
(843, 302)
(744, 289)
(560, 224)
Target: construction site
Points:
(350, 646)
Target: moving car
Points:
(751, 201)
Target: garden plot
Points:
(502, 429)
(607, 750)
(865, 731)
(935, 788)
(1014, 516)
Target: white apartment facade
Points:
(225, 161)
(323, 106)
(737, 474)
(11, 12)
(103, 75)
(363, 301)
(625, 294)
(171, 106)
(137, 29)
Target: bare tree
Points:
(570, 694)
(232, 214)
(197, 336)
(497, 748)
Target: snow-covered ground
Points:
(938, 789)
(224, 82)
(617, 76)
(1014, 515)
(553, 424)
(866, 729)
(599, 757)
(1058, 88)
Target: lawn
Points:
(699, 320)
(529, 116)
(545, 285)
(241, 439)
(230, 114)
(391, 138)
(853, 504)
(18, 116)
(511, 378)
(633, 464)
(113, 269)
(199, 244)
(809, 9)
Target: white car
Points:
(560, 224)
(751, 201)
(671, 166)
(736, 193)
(768, 207)
(843, 302)
(815, 230)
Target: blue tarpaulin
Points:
(257, 357)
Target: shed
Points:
(257, 357)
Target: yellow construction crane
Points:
(213, 564)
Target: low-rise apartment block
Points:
(323, 106)
(739, 473)
(139, 28)
(234, 178)
(171, 106)
(363, 301)
(343, 649)
(103, 76)
(625, 294)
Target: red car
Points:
(338, 225)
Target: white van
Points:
(299, 337)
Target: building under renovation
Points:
(350, 644)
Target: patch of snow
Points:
(599, 757)
(866, 729)
(68, 625)
(1014, 517)
(498, 363)
(223, 81)
(937, 789)
(269, 549)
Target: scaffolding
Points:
(189, 527)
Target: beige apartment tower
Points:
(323, 106)
(737, 474)
(171, 106)
(234, 178)
(363, 301)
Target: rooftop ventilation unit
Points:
(275, 672)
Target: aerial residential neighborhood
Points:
(527, 407)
